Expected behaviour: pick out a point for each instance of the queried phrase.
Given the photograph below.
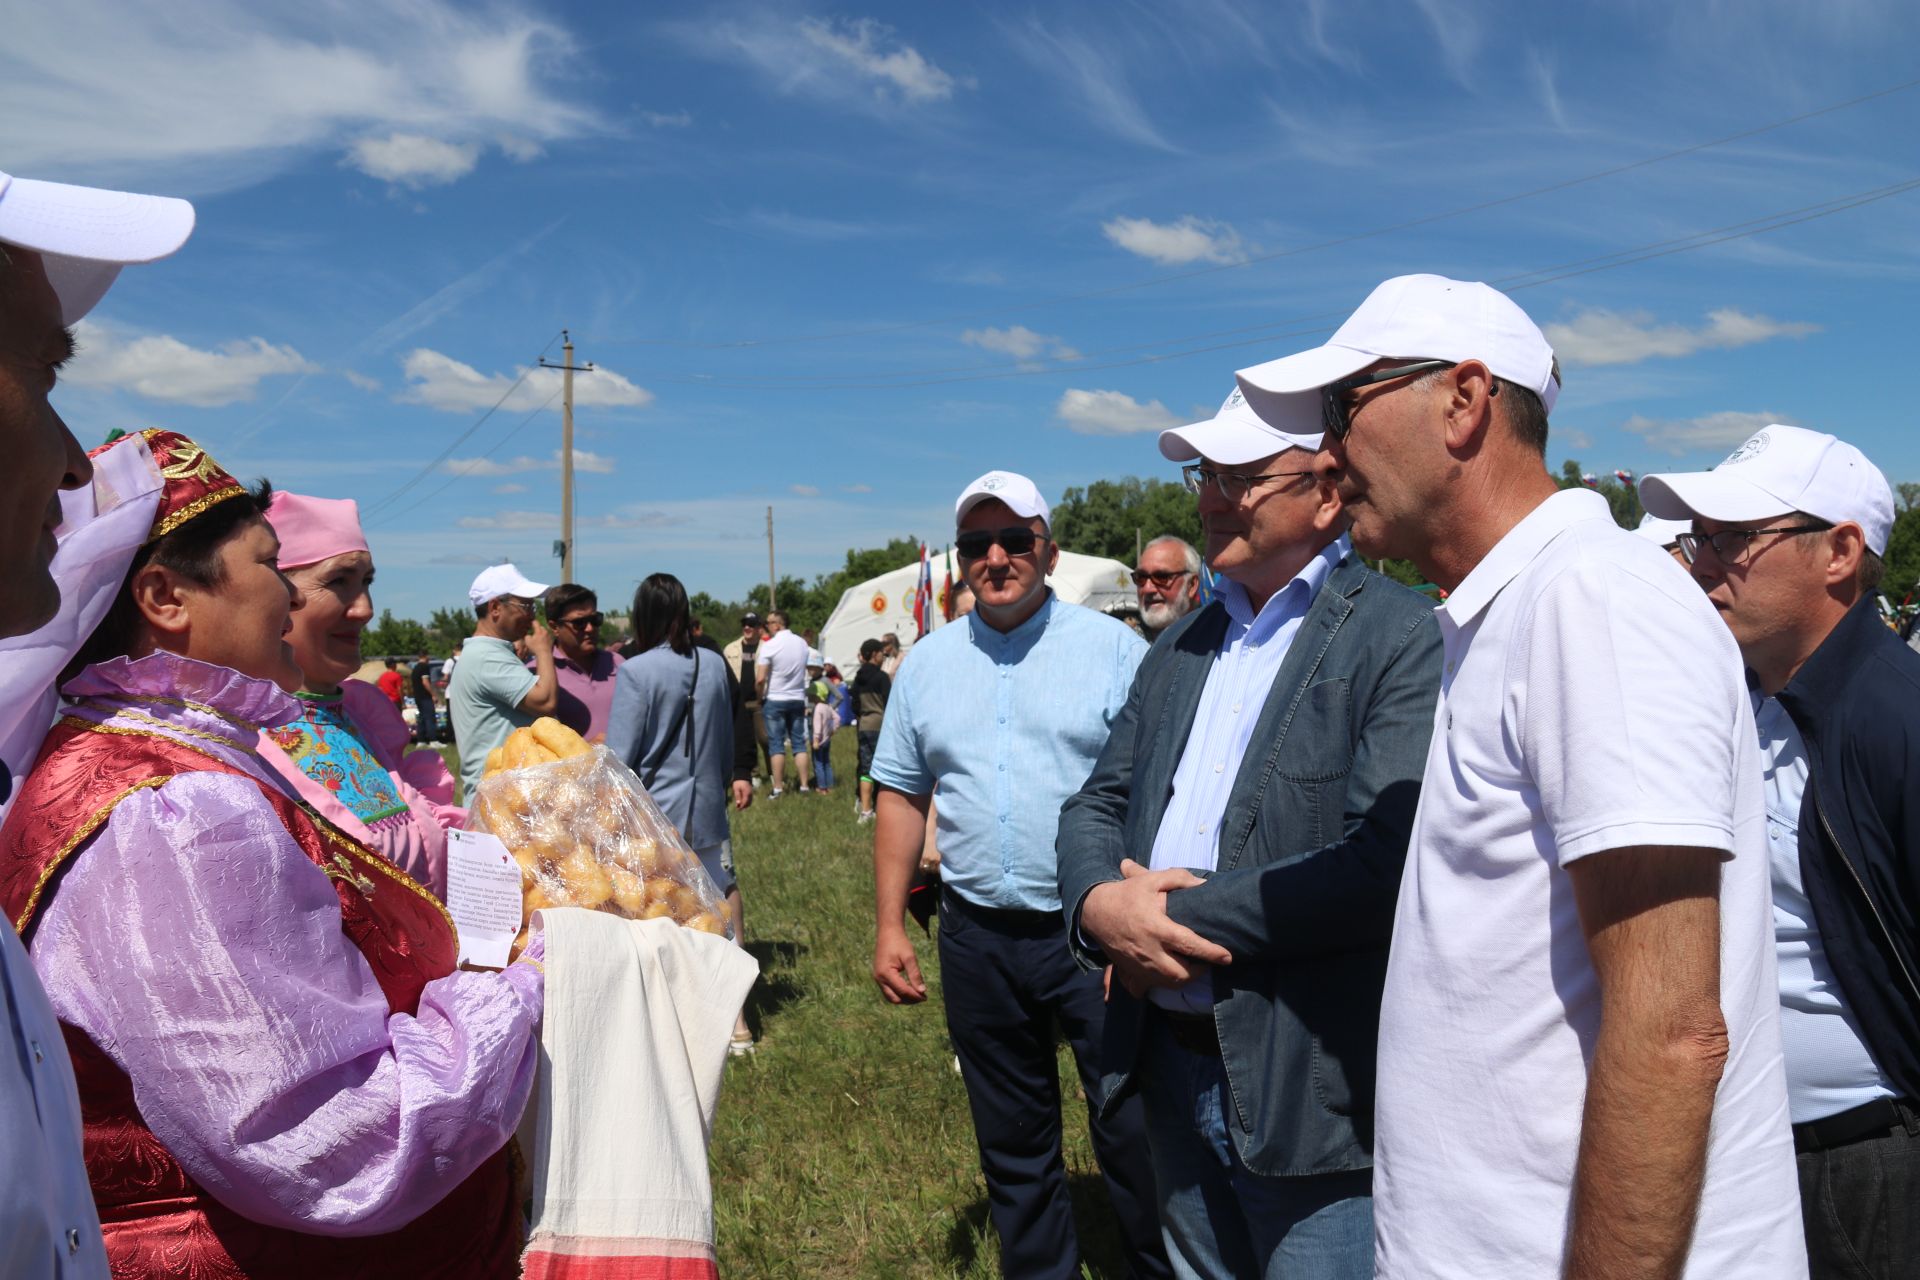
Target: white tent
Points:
(885, 603)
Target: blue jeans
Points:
(786, 727)
(823, 765)
(1221, 1219)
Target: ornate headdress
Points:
(192, 482)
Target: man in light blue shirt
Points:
(1005, 712)
(1265, 768)
(491, 692)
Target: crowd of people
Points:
(1568, 928)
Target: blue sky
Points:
(841, 260)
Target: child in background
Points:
(822, 721)
(869, 690)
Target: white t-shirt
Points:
(1591, 700)
(784, 656)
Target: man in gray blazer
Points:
(1235, 857)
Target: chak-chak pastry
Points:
(557, 738)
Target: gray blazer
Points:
(1311, 849)
(648, 692)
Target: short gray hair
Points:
(1187, 552)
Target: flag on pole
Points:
(946, 592)
(923, 596)
(1625, 477)
(1590, 480)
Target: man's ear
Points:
(1846, 546)
(1469, 408)
(1053, 555)
(163, 599)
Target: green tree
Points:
(1624, 499)
(448, 627)
(1903, 549)
(394, 637)
(1114, 517)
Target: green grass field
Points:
(844, 1148)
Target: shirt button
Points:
(73, 1241)
(1219, 768)
(1236, 708)
(1200, 830)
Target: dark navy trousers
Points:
(1008, 981)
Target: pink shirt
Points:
(586, 696)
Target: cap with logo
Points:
(503, 580)
(1779, 470)
(1015, 490)
(84, 235)
(1418, 318)
(1237, 435)
(815, 658)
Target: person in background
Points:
(346, 754)
(780, 675)
(1167, 580)
(870, 689)
(962, 601)
(426, 725)
(582, 667)
(741, 654)
(1006, 714)
(672, 724)
(890, 654)
(493, 693)
(745, 750)
(58, 256)
(823, 719)
(392, 683)
(1664, 534)
(453, 660)
(1580, 1070)
(1787, 537)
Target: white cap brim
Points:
(1307, 370)
(88, 234)
(1710, 495)
(1229, 443)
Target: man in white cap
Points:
(1006, 713)
(1273, 744)
(60, 248)
(492, 693)
(1664, 534)
(1580, 1069)
(1787, 537)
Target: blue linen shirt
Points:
(1008, 725)
(1237, 686)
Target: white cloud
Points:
(1095, 75)
(526, 521)
(360, 380)
(161, 367)
(856, 488)
(668, 119)
(1173, 244)
(1112, 413)
(441, 382)
(804, 490)
(213, 94)
(860, 61)
(512, 521)
(590, 463)
(509, 487)
(1713, 431)
(1600, 336)
(413, 159)
(1019, 342)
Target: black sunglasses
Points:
(1015, 540)
(1333, 396)
(1162, 578)
(583, 621)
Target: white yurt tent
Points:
(885, 603)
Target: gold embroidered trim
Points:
(203, 708)
(79, 837)
(533, 964)
(167, 524)
(129, 713)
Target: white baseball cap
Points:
(1237, 435)
(503, 580)
(1010, 487)
(85, 235)
(1662, 533)
(815, 658)
(1419, 318)
(1781, 469)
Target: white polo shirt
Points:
(1590, 701)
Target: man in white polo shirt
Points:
(1786, 538)
(780, 678)
(1580, 1066)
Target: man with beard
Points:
(1168, 581)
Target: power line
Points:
(497, 446)
(1258, 259)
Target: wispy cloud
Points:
(860, 61)
(1019, 342)
(1112, 413)
(523, 521)
(804, 490)
(800, 226)
(162, 367)
(1456, 29)
(1095, 77)
(1679, 436)
(1546, 88)
(1189, 239)
(509, 487)
(227, 93)
(360, 380)
(1599, 337)
(413, 160)
(856, 488)
(668, 119)
(441, 382)
(591, 463)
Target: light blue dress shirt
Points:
(1009, 725)
(1243, 673)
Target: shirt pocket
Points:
(1319, 741)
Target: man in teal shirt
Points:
(492, 693)
(1006, 711)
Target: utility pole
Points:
(772, 601)
(567, 370)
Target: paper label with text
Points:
(483, 896)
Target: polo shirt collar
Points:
(1516, 551)
(1026, 630)
(1303, 586)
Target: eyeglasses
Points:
(1230, 485)
(1730, 546)
(518, 602)
(1015, 540)
(1162, 578)
(1333, 397)
(582, 622)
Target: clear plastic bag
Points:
(587, 834)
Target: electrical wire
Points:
(459, 475)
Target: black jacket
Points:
(1856, 703)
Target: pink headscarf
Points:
(314, 529)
